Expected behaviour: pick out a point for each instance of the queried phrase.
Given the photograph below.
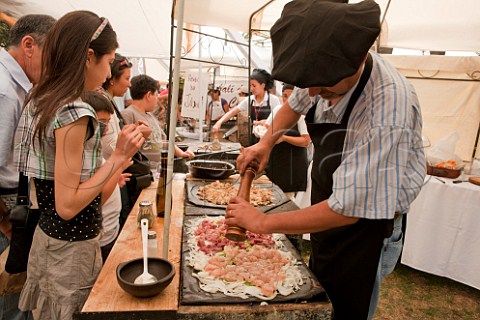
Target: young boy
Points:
(144, 91)
(111, 200)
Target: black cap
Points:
(262, 76)
(317, 43)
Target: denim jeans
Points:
(9, 303)
(392, 247)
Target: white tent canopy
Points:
(143, 26)
(143, 29)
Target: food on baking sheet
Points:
(215, 146)
(256, 267)
(220, 193)
(450, 164)
(210, 235)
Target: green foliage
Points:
(4, 34)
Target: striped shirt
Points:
(383, 161)
(14, 87)
(40, 162)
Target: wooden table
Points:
(108, 301)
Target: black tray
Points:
(193, 185)
(192, 294)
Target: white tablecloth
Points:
(443, 231)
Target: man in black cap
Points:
(364, 120)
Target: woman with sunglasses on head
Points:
(116, 85)
(58, 141)
(261, 102)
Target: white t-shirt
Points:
(111, 214)
(274, 101)
(217, 109)
(302, 126)
(154, 144)
(109, 140)
(120, 101)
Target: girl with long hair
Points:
(58, 146)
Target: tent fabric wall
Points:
(449, 98)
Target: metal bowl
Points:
(211, 169)
(128, 271)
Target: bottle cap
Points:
(145, 203)
(152, 234)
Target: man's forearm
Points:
(316, 218)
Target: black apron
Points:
(257, 114)
(344, 259)
(288, 165)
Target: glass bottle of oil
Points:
(162, 184)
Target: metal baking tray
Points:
(193, 186)
(192, 294)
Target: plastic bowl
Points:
(128, 271)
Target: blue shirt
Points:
(14, 87)
(383, 163)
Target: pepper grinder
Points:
(236, 233)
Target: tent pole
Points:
(201, 116)
(170, 71)
(173, 122)
(475, 146)
(250, 34)
(382, 21)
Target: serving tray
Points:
(193, 186)
(192, 294)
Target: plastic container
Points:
(442, 172)
(152, 244)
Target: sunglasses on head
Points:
(122, 61)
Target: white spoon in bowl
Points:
(145, 277)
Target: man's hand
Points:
(259, 152)
(241, 213)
